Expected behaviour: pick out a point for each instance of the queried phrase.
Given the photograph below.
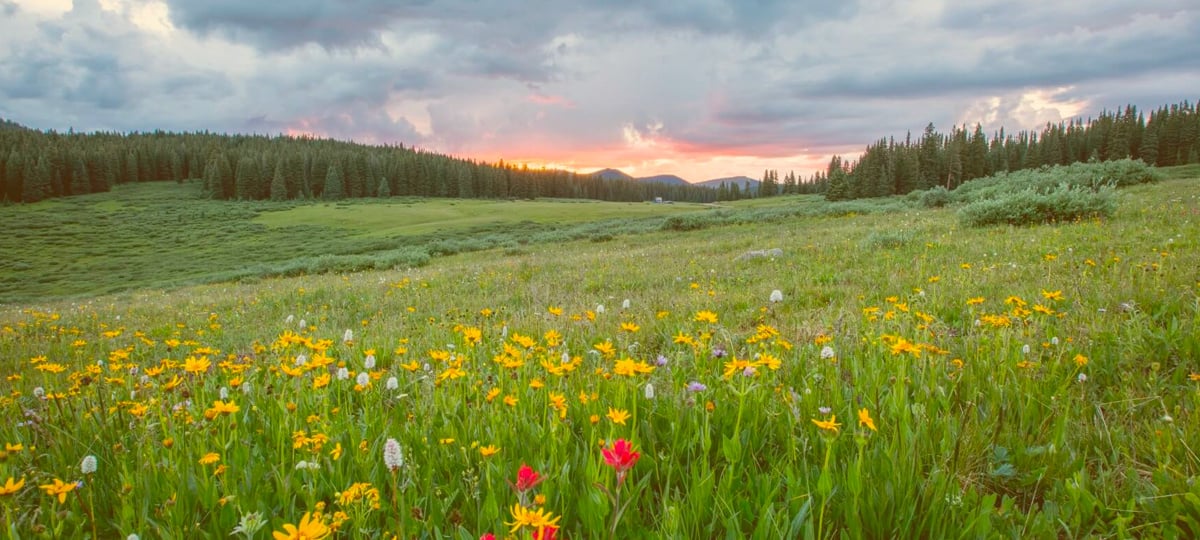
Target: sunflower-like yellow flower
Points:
(307, 529)
(11, 487)
(864, 419)
(538, 519)
(58, 489)
(618, 416)
(828, 425)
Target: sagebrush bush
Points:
(1031, 206)
(935, 197)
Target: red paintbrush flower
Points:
(527, 478)
(550, 532)
(621, 457)
(487, 536)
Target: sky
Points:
(702, 89)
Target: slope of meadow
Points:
(915, 379)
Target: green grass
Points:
(1092, 432)
(418, 217)
(166, 235)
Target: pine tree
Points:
(247, 179)
(333, 182)
(80, 183)
(37, 180)
(279, 191)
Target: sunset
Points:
(704, 90)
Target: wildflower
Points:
(864, 419)
(1081, 360)
(599, 308)
(363, 379)
(209, 458)
(625, 304)
(621, 457)
(320, 381)
(489, 450)
(618, 416)
(308, 529)
(776, 296)
(827, 353)
(705, 317)
(630, 327)
(975, 301)
(221, 407)
(348, 336)
(88, 466)
(369, 363)
(555, 310)
(196, 365)
(487, 536)
(249, 524)
(1052, 295)
(660, 360)
(11, 487)
(1082, 377)
(540, 520)
(393, 456)
(343, 374)
(649, 391)
(392, 383)
(828, 425)
(696, 386)
(527, 478)
(718, 352)
(58, 489)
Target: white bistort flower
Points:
(343, 374)
(392, 383)
(393, 457)
(348, 336)
(827, 353)
(89, 465)
(370, 361)
(363, 379)
(649, 391)
(776, 296)
(625, 304)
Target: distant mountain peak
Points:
(611, 174)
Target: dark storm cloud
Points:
(281, 25)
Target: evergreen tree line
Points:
(37, 165)
(791, 184)
(1170, 136)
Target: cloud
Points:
(703, 88)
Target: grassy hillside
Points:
(162, 234)
(1001, 381)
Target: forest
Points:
(37, 165)
(1170, 136)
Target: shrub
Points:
(935, 197)
(1031, 206)
(685, 223)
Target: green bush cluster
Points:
(1031, 206)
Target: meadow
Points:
(892, 374)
